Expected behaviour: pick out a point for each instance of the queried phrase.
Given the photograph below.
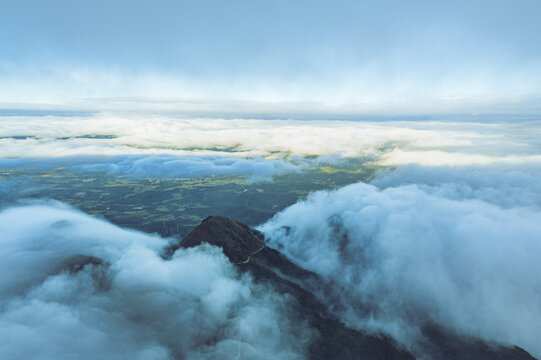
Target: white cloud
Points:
(391, 143)
(135, 305)
(505, 185)
(398, 258)
(256, 169)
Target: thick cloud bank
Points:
(405, 256)
(391, 143)
(73, 286)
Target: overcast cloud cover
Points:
(336, 57)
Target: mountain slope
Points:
(245, 247)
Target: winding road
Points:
(252, 254)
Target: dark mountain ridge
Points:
(331, 339)
(246, 248)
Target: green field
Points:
(173, 206)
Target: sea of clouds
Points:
(447, 233)
(454, 247)
(183, 147)
(131, 303)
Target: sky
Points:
(353, 57)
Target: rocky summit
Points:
(245, 247)
(237, 240)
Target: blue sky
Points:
(414, 56)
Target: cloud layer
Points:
(504, 185)
(448, 232)
(429, 143)
(167, 166)
(456, 253)
(73, 285)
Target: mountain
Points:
(245, 247)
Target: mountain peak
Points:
(237, 240)
(332, 339)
